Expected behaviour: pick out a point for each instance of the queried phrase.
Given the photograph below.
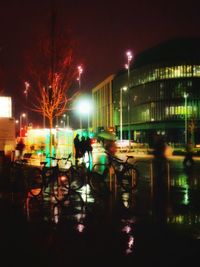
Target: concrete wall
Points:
(7, 135)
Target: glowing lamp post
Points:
(84, 107)
(121, 111)
(23, 115)
(64, 120)
(80, 71)
(16, 126)
(27, 86)
(127, 65)
(186, 134)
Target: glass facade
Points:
(102, 101)
(157, 103)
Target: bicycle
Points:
(17, 176)
(52, 178)
(81, 175)
(127, 174)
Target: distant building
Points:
(102, 98)
(7, 126)
(164, 94)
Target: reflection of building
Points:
(7, 125)
(159, 78)
(103, 105)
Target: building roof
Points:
(178, 49)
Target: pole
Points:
(20, 125)
(88, 122)
(129, 129)
(129, 57)
(80, 70)
(120, 102)
(186, 141)
(43, 120)
(27, 109)
(27, 85)
(80, 123)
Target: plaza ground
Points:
(120, 229)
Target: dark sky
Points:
(103, 29)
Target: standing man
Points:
(77, 148)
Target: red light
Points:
(63, 178)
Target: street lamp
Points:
(186, 134)
(67, 121)
(16, 127)
(23, 115)
(62, 123)
(27, 86)
(64, 118)
(84, 108)
(127, 66)
(80, 71)
(121, 111)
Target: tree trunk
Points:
(51, 139)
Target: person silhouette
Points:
(88, 147)
(20, 148)
(77, 147)
(83, 146)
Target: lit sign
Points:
(5, 107)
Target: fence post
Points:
(151, 177)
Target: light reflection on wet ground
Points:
(122, 226)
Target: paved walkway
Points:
(122, 228)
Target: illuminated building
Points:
(38, 140)
(7, 126)
(102, 118)
(160, 77)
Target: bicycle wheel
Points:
(128, 178)
(61, 187)
(34, 182)
(77, 177)
(17, 179)
(73, 203)
(99, 183)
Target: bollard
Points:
(2, 155)
(151, 177)
(168, 176)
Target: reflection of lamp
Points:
(186, 135)
(121, 111)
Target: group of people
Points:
(82, 146)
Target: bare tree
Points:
(52, 71)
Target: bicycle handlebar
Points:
(114, 158)
(58, 159)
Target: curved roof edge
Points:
(177, 49)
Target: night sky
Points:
(103, 30)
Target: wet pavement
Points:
(121, 228)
